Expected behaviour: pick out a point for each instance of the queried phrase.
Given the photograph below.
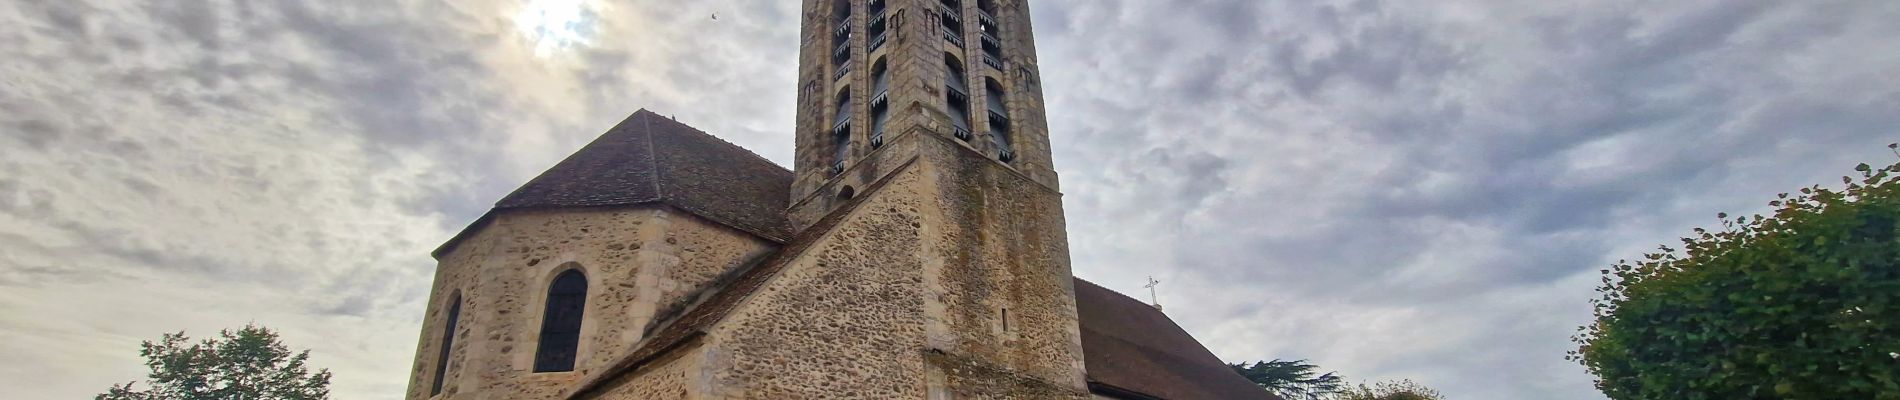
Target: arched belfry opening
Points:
(880, 101)
(997, 107)
(841, 131)
(841, 38)
(876, 26)
(951, 14)
(990, 34)
(957, 96)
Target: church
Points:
(915, 250)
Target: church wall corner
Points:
(636, 260)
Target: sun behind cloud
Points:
(557, 25)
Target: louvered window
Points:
(998, 109)
(956, 96)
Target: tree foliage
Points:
(1292, 380)
(1797, 305)
(1393, 390)
(247, 364)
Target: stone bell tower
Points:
(922, 143)
(871, 71)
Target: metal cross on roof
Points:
(1152, 297)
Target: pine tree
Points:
(1294, 380)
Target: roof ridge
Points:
(690, 127)
(653, 156)
(576, 156)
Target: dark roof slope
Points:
(1131, 346)
(648, 158)
(616, 168)
(719, 180)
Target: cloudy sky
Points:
(1391, 189)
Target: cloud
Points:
(1390, 189)
(1425, 190)
(201, 164)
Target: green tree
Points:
(1797, 305)
(246, 364)
(1291, 379)
(1392, 390)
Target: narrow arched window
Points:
(448, 341)
(998, 107)
(561, 323)
(957, 96)
(880, 101)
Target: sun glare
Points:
(556, 25)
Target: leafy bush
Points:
(246, 364)
(1397, 390)
(1798, 305)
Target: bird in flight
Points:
(715, 16)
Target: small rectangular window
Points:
(1005, 319)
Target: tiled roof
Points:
(1129, 346)
(652, 159)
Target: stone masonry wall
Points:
(1002, 301)
(842, 321)
(676, 376)
(638, 261)
(903, 298)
